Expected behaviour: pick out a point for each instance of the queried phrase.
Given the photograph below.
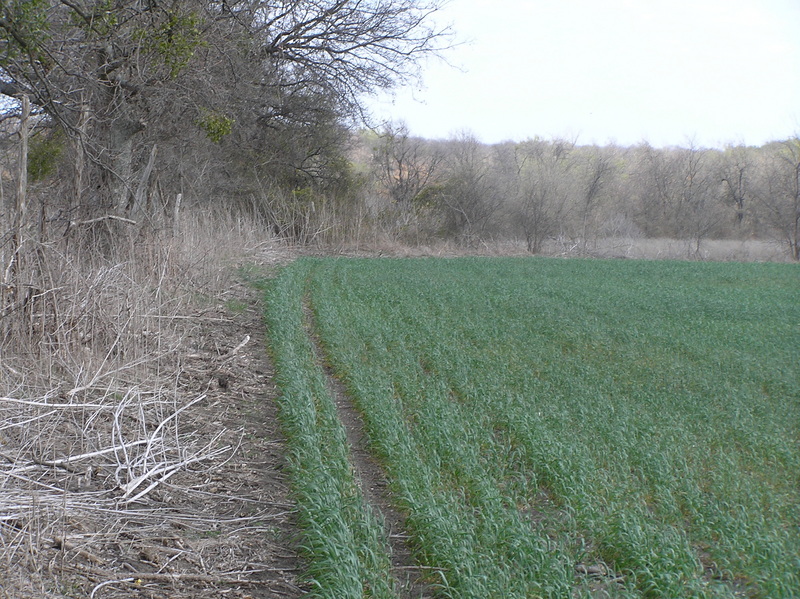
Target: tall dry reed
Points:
(92, 414)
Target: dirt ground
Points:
(221, 531)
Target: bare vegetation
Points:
(123, 456)
(560, 197)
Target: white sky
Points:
(624, 71)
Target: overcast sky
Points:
(624, 71)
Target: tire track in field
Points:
(370, 476)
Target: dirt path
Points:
(243, 399)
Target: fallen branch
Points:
(154, 437)
(65, 545)
(192, 318)
(28, 420)
(62, 462)
(209, 578)
(165, 472)
(102, 218)
(232, 353)
(139, 578)
(45, 404)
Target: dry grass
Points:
(98, 427)
(718, 250)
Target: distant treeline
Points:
(541, 189)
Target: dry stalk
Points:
(138, 579)
(97, 439)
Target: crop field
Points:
(548, 428)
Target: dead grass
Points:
(125, 457)
(750, 250)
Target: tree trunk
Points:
(122, 134)
(138, 209)
(21, 204)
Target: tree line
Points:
(541, 189)
(136, 101)
(258, 105)
(119, 117)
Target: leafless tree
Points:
(406, 168)
(735, 167)
(697, 212)
(470, 196)
(655, 177)
(779, 196)
(545, 170)
(678, 193)
(593, 174)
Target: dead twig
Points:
(102, 218)
(232, 353)
(137, 578)
(66, 545)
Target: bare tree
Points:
(678, 194)
(655, 177)
(470, 196)
(123, 76)
(544, 170)
(780, 193)
(406, 167)
(735, 167)
(696, 211)
(592, 177)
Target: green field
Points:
(550, 428)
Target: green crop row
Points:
(343, 543)
(543, 419)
